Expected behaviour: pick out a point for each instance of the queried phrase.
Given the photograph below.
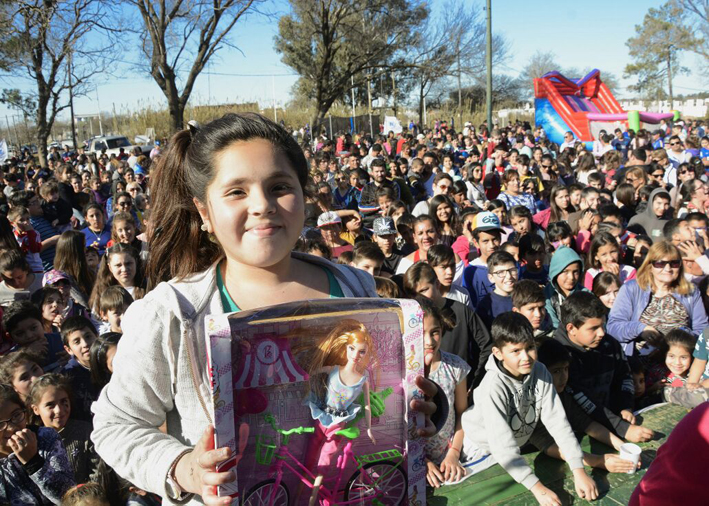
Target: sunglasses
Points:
(547, 166)
(661, 264)
(674, 143)
(683, 171)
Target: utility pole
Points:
(393, 86)
(460, 92)
(98, 104)
(489, 64)
(273, 91)
(71, 104)
(354, 126)
(369, 104)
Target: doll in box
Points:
(338, 375)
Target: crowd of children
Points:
(561, 293)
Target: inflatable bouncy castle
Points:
(585, 107)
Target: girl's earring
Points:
(203, 227)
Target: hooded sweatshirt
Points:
(600, 380)
(505, 413)
(650, 224)
(560, 260)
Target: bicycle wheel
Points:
(260, 495)
(386, 482)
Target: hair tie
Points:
(193, 127)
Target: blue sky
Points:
(581, 34)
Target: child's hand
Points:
(614, 464)
(586, 221)
(58, 320)
(690, 249)
(196, 472)
(692, 386)
(585, 486)
(613, 268)
(433, 475)
(705, 383)
(638, 434)
(426, 406)
(544, 496)
(451, 468)
(628, 416)
(24, 445)
(371, 436)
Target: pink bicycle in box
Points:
(379, 479)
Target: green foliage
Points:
(655, 50)
(16, 100)
(335, 44)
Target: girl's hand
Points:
(613, 268)
(585, 486)
(628, 416)
(433, 475)
(24, 445)
(451, 468)
(614, 464)
(196, 472)
(371, 436)
(58, 320)
(544, 496)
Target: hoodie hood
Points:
(562, 336)
(560, 260)
(651, 224)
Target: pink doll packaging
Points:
(312, 397)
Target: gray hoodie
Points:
(505, 413)
(651, 224)
(160, 375)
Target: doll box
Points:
(274, 370)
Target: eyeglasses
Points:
(682, 172)
(502, 274)
(674, 143)
(661, 264)
(14, 419)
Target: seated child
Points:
(565, 271)
(368, 257)
(606, 286)
(532, 253)
(442, 259)
(502, 272)
(642, 246)
(449, 371)
(667, 377)
(19, 369)
(78, 334)
(604, 255)
(51, 303)
(39, 473)
(114, 301)
(314, 247)
(468, 338)
(50, 400)
(528, 300)
(23, 322)
(598, 371)
(554, 356)
(93, 259)
(638, 371)
(499, 423)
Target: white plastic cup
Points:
(631, 452)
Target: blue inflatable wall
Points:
(545, 116)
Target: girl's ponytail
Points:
(177, 245)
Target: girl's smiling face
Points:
(255, 205)
(54, 407)
(443, 213)
(678, 360)
(125, 231)
(431, 336)
(16, 420)
(607, 254)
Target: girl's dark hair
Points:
(459, 187)
(603, 281)
(94, 205)
(679, 337)
(396, 206)
(556, 231)
(8, 394)
(100, 375)
(12, 361)
(183, 173)
(439, 254)
(39, 297)
(435, 203)
(11, 259)
(430, 309)
(531, 243)
(7, 236)
(521, 212)
(602, 238)
(625, 194)
(495, 204)
(105, 278)
(71, 259)
(556, 213)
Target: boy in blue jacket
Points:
(487, 235)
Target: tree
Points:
(655, 50)
(540, 64)
(697, 20)
(184, 34)
(41, 38)
(335, 45)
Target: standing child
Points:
(443, 260)
(604, 256)
(27, 237)
(50, 400)
(78, 334)
(502, 272)
(33, 463)
(449, 372)
(486, 235)
(517, 394)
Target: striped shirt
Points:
(45, 230)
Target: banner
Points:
(3, 151)
(391, 124)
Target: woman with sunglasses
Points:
(658, 300)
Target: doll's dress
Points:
(338, 406)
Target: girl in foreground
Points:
(228, 208)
